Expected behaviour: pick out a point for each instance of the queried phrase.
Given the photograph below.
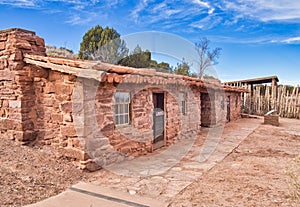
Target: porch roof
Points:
(253, 81)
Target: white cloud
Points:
(205, 5)
(236, 17)
(172, 11)
(77, 19)
(20, 3)
(292, 40)
(78, 12)
(211, 10)
(266, 10)
(207, 22)
(159, 7)
(169, 14)
(140, 7)
(202, 3)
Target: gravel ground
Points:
(255, 174)
(31, 174)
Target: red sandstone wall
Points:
(16, 89)
(208, 109)
(215, 112)
(194, 102)
(133, 139)
(235, 105)
(141, 108)
(172, 118)
(54, 111)
(220, 106)
(178, 125)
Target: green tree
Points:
(163, 66)
(142, 59)
(182, 68)
(138, 58)
(153, 64)
(102, 44)
(207, 57)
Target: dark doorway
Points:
(228, 109)
(158, 120)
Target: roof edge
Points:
(12, 30)
(262, 79)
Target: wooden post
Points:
(251, 98)
(274, 93)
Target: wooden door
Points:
(158, 120)
(228, 109)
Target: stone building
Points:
(101, 112)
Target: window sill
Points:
(122, 126)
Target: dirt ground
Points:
(254, 174)
(31, 174)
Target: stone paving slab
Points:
(89, 195)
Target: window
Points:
(236, 101)
(182, 103)
(122, 102)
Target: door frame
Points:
(163, 143)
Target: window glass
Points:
(122, 103)
(182, 103)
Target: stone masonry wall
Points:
(54, 111)
(172, 118)
(133, 139)
(220, 107)
(17, 96)
(194, 103)
(179, 126)
(214, 107)
(141, 108)
(208, 109)
(235, 105)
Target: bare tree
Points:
(207, 58)
(59, 52)
(111, 52)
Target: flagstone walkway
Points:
(161, 177)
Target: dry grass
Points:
(59, 52)
(294, 175)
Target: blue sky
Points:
(258, 37)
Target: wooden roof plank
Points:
(255, 80)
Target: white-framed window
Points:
(182, 103)
(122, 103)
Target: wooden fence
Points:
(286, 101)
